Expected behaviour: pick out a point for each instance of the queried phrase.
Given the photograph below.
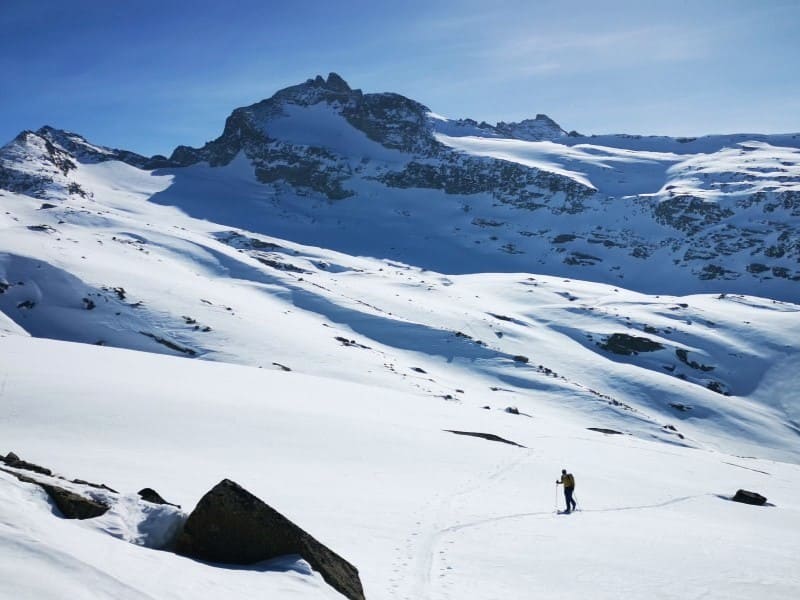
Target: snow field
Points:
(189, 283)
(423, 513)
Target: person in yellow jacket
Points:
(568, 481)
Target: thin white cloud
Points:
(528, 54)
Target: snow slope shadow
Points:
(392, 332)
(49, 302)
(403, 335)
(291, 563)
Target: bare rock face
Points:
(231, 525)
(748, 497)
(70, 504)
(12, 460)
(74, 506)
(152, 496)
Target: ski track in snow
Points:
(417, 560)
(426, 548)
(462, 526)
(440, 538)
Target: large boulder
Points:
(231, 525)
(749, 498)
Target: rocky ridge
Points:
(391, 120)
(725, 215)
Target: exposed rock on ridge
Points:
(391, 120)
(728, 216)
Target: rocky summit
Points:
(321, 163)
(516, 196)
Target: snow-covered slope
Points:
(110, 268)
(718, 213)
(380, 175)
(423, 513)
(378, 274)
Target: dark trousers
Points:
(568, 497)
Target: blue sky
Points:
(147, 76)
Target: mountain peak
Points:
(389, 119)
(75, 144)
(312, 91)
(49, 130)
(334, 83)
(533, 130)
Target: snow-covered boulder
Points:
(69, 504)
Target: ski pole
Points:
(555, 501)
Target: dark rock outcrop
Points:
(748, 497)
(99, 486)
(622, 343)
(231, 525)
(152, 496)
(72, 505)
(12, 460)
(532, 130)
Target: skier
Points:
(568, 482)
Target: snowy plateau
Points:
(314, 302)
